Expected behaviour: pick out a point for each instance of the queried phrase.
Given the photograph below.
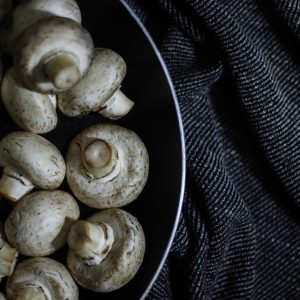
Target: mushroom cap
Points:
(102, 80)
(47, 273)
(29, 12)
(39, 224)
(34, 157)
(133, 174)
(32, 111)
(45, 39)
(123, 260)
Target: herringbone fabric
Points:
(235, 67)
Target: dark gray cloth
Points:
(235, 66)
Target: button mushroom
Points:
(32, 111)
(8, 258)
(29, 161)
(53, 54)
(41, 279)
(107, 166)
(106, 251)
(29, 12)
(39, 224)
(99, 91)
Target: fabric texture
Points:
(235, 67)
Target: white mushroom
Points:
(32, 111)
(8, 258)
(106, 251)
(53, 54)
(107, 166)
(39, 224)
(99, 91)
(41, 279)
(29, 12)
(29, 161)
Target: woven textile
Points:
(235, 67)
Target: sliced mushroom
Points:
(29, 12)
(41, 279)
(29, 161)
(107, 166)
(99, 91)
(53, 55)
(8, 258)
(39, 224)
(106, 251)
(32, 111)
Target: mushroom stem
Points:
(91, 242)
(101, 160)
(30, 292)
(13, 185)
(8, 258)
(117, 106)
(62, 70)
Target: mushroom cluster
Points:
(51, 61)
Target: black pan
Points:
(155, 119)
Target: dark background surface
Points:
(153, 118)
(235, 67)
